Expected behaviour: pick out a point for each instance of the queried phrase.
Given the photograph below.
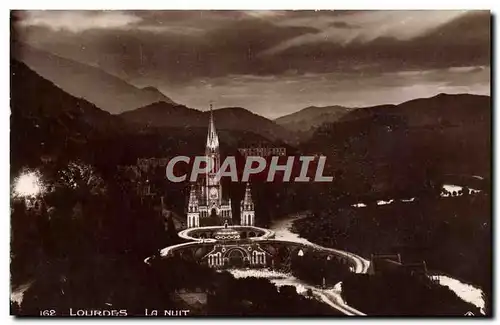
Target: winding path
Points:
(466, 292)
(282, 231)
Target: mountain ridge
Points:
(162, 114)
(305, 121)
(106, 91)
(400, 146)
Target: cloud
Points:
(181, 45)
(264, 14)
(182, 30)
(272, 96)
(78, 21)
(342, 24)
(468, 69)
(400, 25)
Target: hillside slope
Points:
(80, 80)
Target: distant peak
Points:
(152, 89)
(455, 95)
(156, 92)
(235, 108)
(325, 107)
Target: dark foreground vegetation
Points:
(452, 235)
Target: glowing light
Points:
(359, 205)
(382, 202)
(28, 185)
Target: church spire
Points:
(212, 138)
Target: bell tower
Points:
(193, 216)
(247, 209)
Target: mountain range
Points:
(401, 146)
(163, 114)
(442, 109)
(446, 133)
(90, 83)
(308, 119)
(47, 121)
(146, 107)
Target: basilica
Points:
(206, 206)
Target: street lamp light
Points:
(28, 185)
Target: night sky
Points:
(275, 62)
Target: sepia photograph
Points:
(258, 163)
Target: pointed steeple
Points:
(193, 215)
(247, 211)
(212, 138)
(247, 201)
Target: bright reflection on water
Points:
(465, 291)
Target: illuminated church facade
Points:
(205, 198)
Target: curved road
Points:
(281, 231)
